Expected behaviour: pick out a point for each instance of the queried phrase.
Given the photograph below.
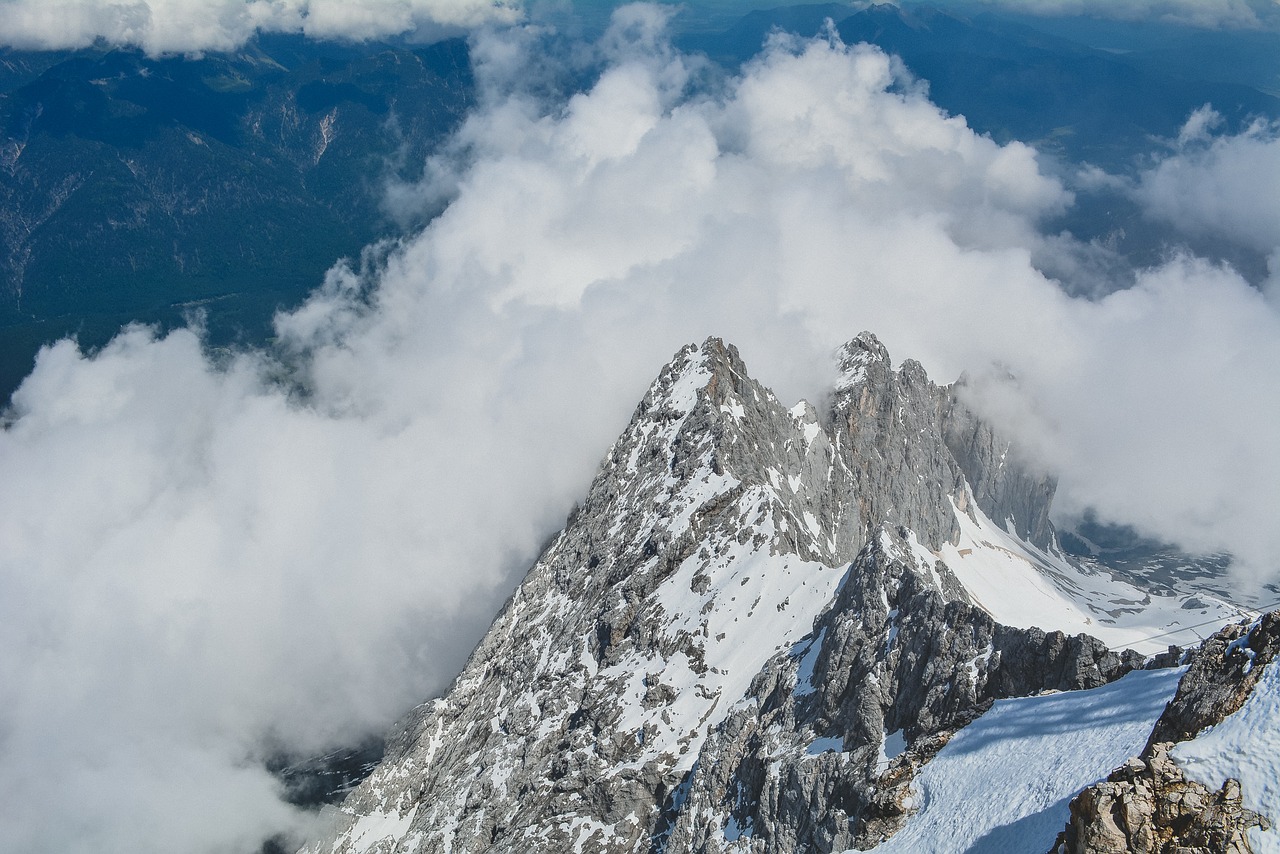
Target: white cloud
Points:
(1219, 186)
(1199, 13)
(199, 558)
(192, 26)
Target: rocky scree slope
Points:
(744, 638)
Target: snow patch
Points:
(733, 831)
(826, 744)
(734, 410)
(1245, 746)
(892, 746)
(692, 379)
(737, 605)
(1242, 644)
(808, 659)
(378, 826)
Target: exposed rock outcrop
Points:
(811, 763)
(1220, 678)
(1148, 805)
(1014, 493)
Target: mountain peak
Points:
(856, 355)
(744, 581)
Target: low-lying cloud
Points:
(1220, 186)
(1213, 14)
(193, 26)
(204, 555)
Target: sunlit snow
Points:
(1246, 747)
(1004, 782)
(1020, 585)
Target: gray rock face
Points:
(740, 641)
(1220, 678)
(913, 449)
(1005, 489)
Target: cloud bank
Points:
(1212, 14)
(207, 554)
(192, 26)
(1220, 187)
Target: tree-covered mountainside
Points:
(134, 188)
(1013, 78)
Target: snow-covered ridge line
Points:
(683, 571)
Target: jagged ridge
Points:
(741, 581)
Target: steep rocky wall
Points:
(1005, 486)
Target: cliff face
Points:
(752, 632)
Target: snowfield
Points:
(1004, 782)
(1020, 585)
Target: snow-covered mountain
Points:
(772, 629)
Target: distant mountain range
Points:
(138, 189)
(1012, 79)
(134, 188)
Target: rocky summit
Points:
(762, 628)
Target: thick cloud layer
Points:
(191, 26)
(204, 555)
